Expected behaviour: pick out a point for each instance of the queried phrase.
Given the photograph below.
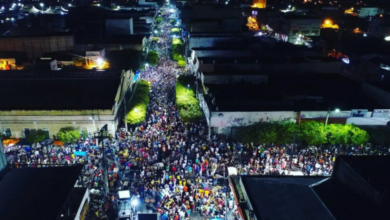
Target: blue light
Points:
(345, 60)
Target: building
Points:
(295, 27)
(379, 26)
(286, 98)
(369, 11)
(47, 100)
(211, 18)
(356, 190)
(44, 193)
(35, 46)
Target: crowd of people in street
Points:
(174, 167)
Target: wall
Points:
(232, 79)
(110, 47)
(225, 120)
(35, 46)
(53, 123)
(119, 26)
(304, 67)
(17, 128)
(223, 53)
(83, 201)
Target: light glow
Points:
(345, 60)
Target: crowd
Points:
(171, 166)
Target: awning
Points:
(58, 143)
(80, 153)
(10, 142)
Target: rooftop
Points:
(285, 198)
(36, 193)
(347, 194)
(59, 90)
(296, 92)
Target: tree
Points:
(312, 132)
(181, 63)
(187, 103)
(357, 135)
(379, 135)
(139, 103)
(337, 134)
(69, 134)
(152, 58)
(36, 136)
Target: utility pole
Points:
(101, 136)
(292, 151)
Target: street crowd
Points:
(174, 167)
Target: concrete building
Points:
(295, 27)
(211, 18)
(379, 26)
(47, 193)
(49, 101)
(356, 190)
(119, 26)
(35, 46)
(369, 11)
(286, 97)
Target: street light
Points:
(134, 202)
(41, 4)
(327, 115)
(99, 62)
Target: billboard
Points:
(381, 113)
(323, 114)
(360, 113)
(240, 119)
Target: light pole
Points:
(327, 115)
(134, 203)
(41, 4)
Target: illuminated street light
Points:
(346, 60)
(70, 5)
(99, 61)
(155, 31)
(387, 38)
(41, 4)
(337, 110)
(134, 202)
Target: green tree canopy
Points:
(36, 136)
(187, 103)
(69, 134)
(312, 132)
(139, 103)
(357, 135)
(181, 63)
(152, 58)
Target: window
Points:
(46, 130)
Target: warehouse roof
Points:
(58, 90)
(36, 193)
